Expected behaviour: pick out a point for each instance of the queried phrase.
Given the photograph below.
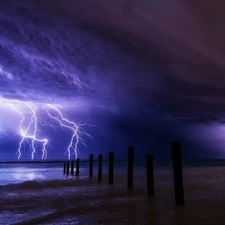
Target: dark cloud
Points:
(151, 64)
(53, 61)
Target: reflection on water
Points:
(22, 174)
(12, 173)
(45, 196)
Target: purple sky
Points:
(147, 72)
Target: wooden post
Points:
(111, 165)
(77, 166)
(99, 168)
(150, 174)
(91, 166)
(67, 168)
(130, 167)
(64, 168)
(177, 172)
(72, 167)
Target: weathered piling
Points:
(77, 166)
(64, 168)
(99, 168)
(177, 172)
(150, 174)
(67, 168)
(130, 167)
(91, 166)
(72, 167)
(111, 167)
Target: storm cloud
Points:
(151, 64)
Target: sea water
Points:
(39, 193)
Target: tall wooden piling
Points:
(77, 166)
(111, 167)
(91, 166)
(67, 168)
(99, 168)
(64, 168)
(150, 174)
(72, 167)
(130, 167)
(177, 172)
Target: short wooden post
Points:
(91, 166)
(177, 172)
(67, 168)
(99, 168)
(130, 167)
(150, 174)
(64, 168)
(72, 167)
(111, 165)
(77, 166)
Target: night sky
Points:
(143, 73)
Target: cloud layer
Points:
(114, 55)
(45, 60)
(130, 58)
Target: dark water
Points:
(39, 193)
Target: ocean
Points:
(39, 193)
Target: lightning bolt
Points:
(77, 129)
(30, 123)
(30, 131)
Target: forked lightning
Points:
(31, 122)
